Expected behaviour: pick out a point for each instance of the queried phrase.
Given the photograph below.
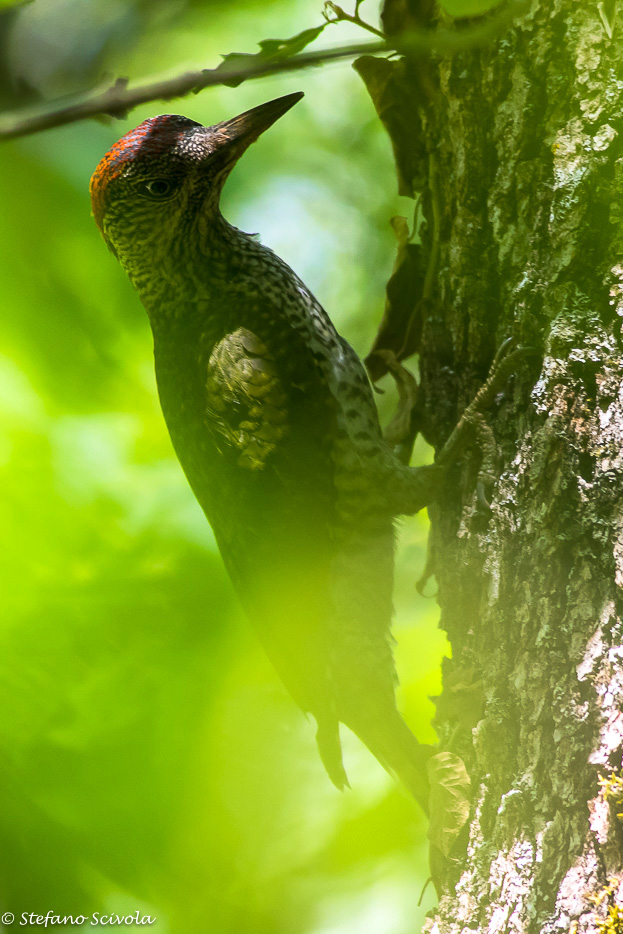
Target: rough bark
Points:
(518, 164)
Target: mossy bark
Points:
(518, 163)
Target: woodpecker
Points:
(274, 423)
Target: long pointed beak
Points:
(239, 132)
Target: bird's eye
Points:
(157, 188)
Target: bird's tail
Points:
(390, 740)
(330, 749)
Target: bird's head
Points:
(167, 175)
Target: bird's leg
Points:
(401, 431)
(405, 490)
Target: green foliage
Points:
(461, 9)
(271, 50)
(613, 923)
(149, 756)
(612, 790)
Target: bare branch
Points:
(119, 99)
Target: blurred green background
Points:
(150, 759)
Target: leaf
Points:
(9, 4)
(400, 16)
(271, 50)
(463, 698)
(393, 100)
(401, 324)
(460, 9)
(284, 48)
(450, 788)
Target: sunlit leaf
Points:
(449, 800)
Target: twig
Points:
(342, 16)
(119, 99)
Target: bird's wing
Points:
(273, 414)
(246, 399)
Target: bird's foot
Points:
(473, 424)
(401, 431)
(410, 489)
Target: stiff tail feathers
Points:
(330, 749)
(390, 741)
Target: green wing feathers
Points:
(246, 398)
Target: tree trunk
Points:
(514, 148)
